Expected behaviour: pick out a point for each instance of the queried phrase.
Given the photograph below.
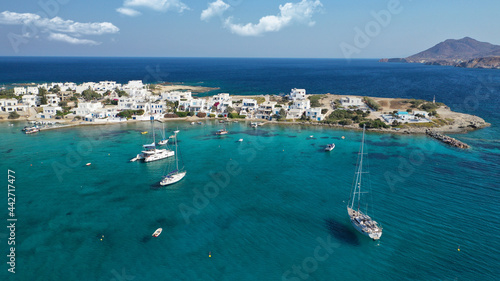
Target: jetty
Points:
(447, 139)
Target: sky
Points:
(241, 28)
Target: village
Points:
(109, 101)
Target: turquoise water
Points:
(271, 199)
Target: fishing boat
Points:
(143, 133)
(176, 174)
(359, 218)
(329, 147)
(31, 130)
(157, 232)
(222, 131)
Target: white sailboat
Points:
(177, 174)
(163, 140)
(151, 153)
(359, 219)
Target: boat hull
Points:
(171, 179)
(374, 232)
(160, 154)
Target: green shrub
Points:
(181, 113)
(372, 103)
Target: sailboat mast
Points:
(153, 125)
(361, 165)
(176, 155)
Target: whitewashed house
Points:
(301, 104)
(19, 91)
(31, 100)
(350, 101)
(86, 108)
(49, 111)
(32, 90)
(294, 114)
(297, 94)
(176, 96)
(266, 110)
(315, 113)
(10, 105)
(219, 103)
(52, 99)
(248, 107)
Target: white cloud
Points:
(157, 5)
(128, 12)
(57, 27)
(216, 8)
(71, 40)
(57, 24)
(290, 13)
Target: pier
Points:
(447, 139)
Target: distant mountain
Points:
(465, 52)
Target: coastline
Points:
(354, 127)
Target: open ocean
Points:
(264, 207)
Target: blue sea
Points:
(272, 207)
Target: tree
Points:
(55, 89)
(63, 103)
(282, 114)
(229, 109)
(90, 94)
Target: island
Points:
(465, 52)
(57, 105)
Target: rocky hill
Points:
(465, 52)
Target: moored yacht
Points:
(359, 219)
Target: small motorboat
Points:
(157, 232)
(199, 123)
(221, 132)
(192, 123)
(329, 147)
(88, 164)
(240, 140)
(163, 142)
(143, 133)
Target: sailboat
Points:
(164, 140)
(175, 175)
(151, 153)
(359, 219)
(222, 131)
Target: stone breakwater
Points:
(448, 140)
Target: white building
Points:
(297, 94)
(10, 105)
(350, 101)
(294, 114)
(49, 111)
(266, 110)
(301, 104)
(176, 96)
(32, 90)
(19, 91)
(315, 113)
(134, 84)
(31, 100)
(52, 99)
(248, 107)
(85, 108)
(220, 102)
